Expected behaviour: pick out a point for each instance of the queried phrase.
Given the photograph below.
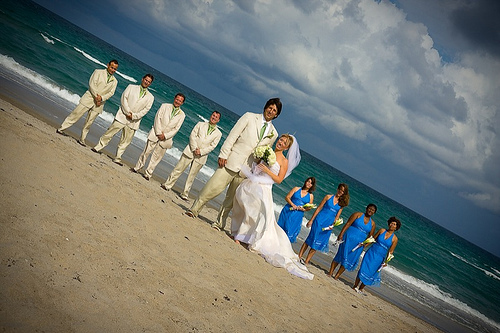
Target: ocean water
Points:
(432, 266)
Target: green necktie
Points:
(174, 113)
(262, 131)
(211, 128)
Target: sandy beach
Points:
(88, 246)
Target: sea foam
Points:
(485, 271)
(436, 292)
(37, 79)
(48, 40)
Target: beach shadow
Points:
(342, 279)
(243, 245)
(345, 281)
(204, 219)
(319, 267)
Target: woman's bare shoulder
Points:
(281, 160)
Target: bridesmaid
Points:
(374, 259)
(291, 215)
(328, 211)
(359, 227)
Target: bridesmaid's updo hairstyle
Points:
(344, 199)
(313, 184)
(394, 219)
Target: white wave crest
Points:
(91, 58)
(60, 41)
(485, 271)
(126, 77)
(38, 79)
(434, 291)
(202, 118)
(88, 56)
(47, 39)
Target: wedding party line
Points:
(247, 169)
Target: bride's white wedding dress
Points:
(253, 222)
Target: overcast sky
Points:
(404, 96)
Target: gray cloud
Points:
(396, 87)
(478, 22)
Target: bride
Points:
(253, 221)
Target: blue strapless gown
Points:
(317, 238)
(291, 220)
(355, 234)
(369, 272)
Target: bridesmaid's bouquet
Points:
(369, 240)
(337, 223)
(307, 206)
(266, 154)
(389, 257)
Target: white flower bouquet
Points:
(369, 240)
(266, 154)
(338, 222)
(307, 206)
(390, 256)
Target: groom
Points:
(250, 131)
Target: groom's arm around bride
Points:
(250, 131)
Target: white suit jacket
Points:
(243, 139)
(199, 139)
(163, 124)
(99, 85)
(131, 102)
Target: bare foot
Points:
(237, 241)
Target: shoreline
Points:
(109, 172)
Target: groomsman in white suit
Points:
(135, 103)
(250, 131)
(204, 137)
(168, 121)
(102, 86)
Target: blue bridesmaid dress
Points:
(355, 234)
(291, 220)
(318, 239)
(369, 272)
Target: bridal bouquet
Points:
(266, 154)
(369, 240)
(307, 206)
(337, 223)
(389, 257)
